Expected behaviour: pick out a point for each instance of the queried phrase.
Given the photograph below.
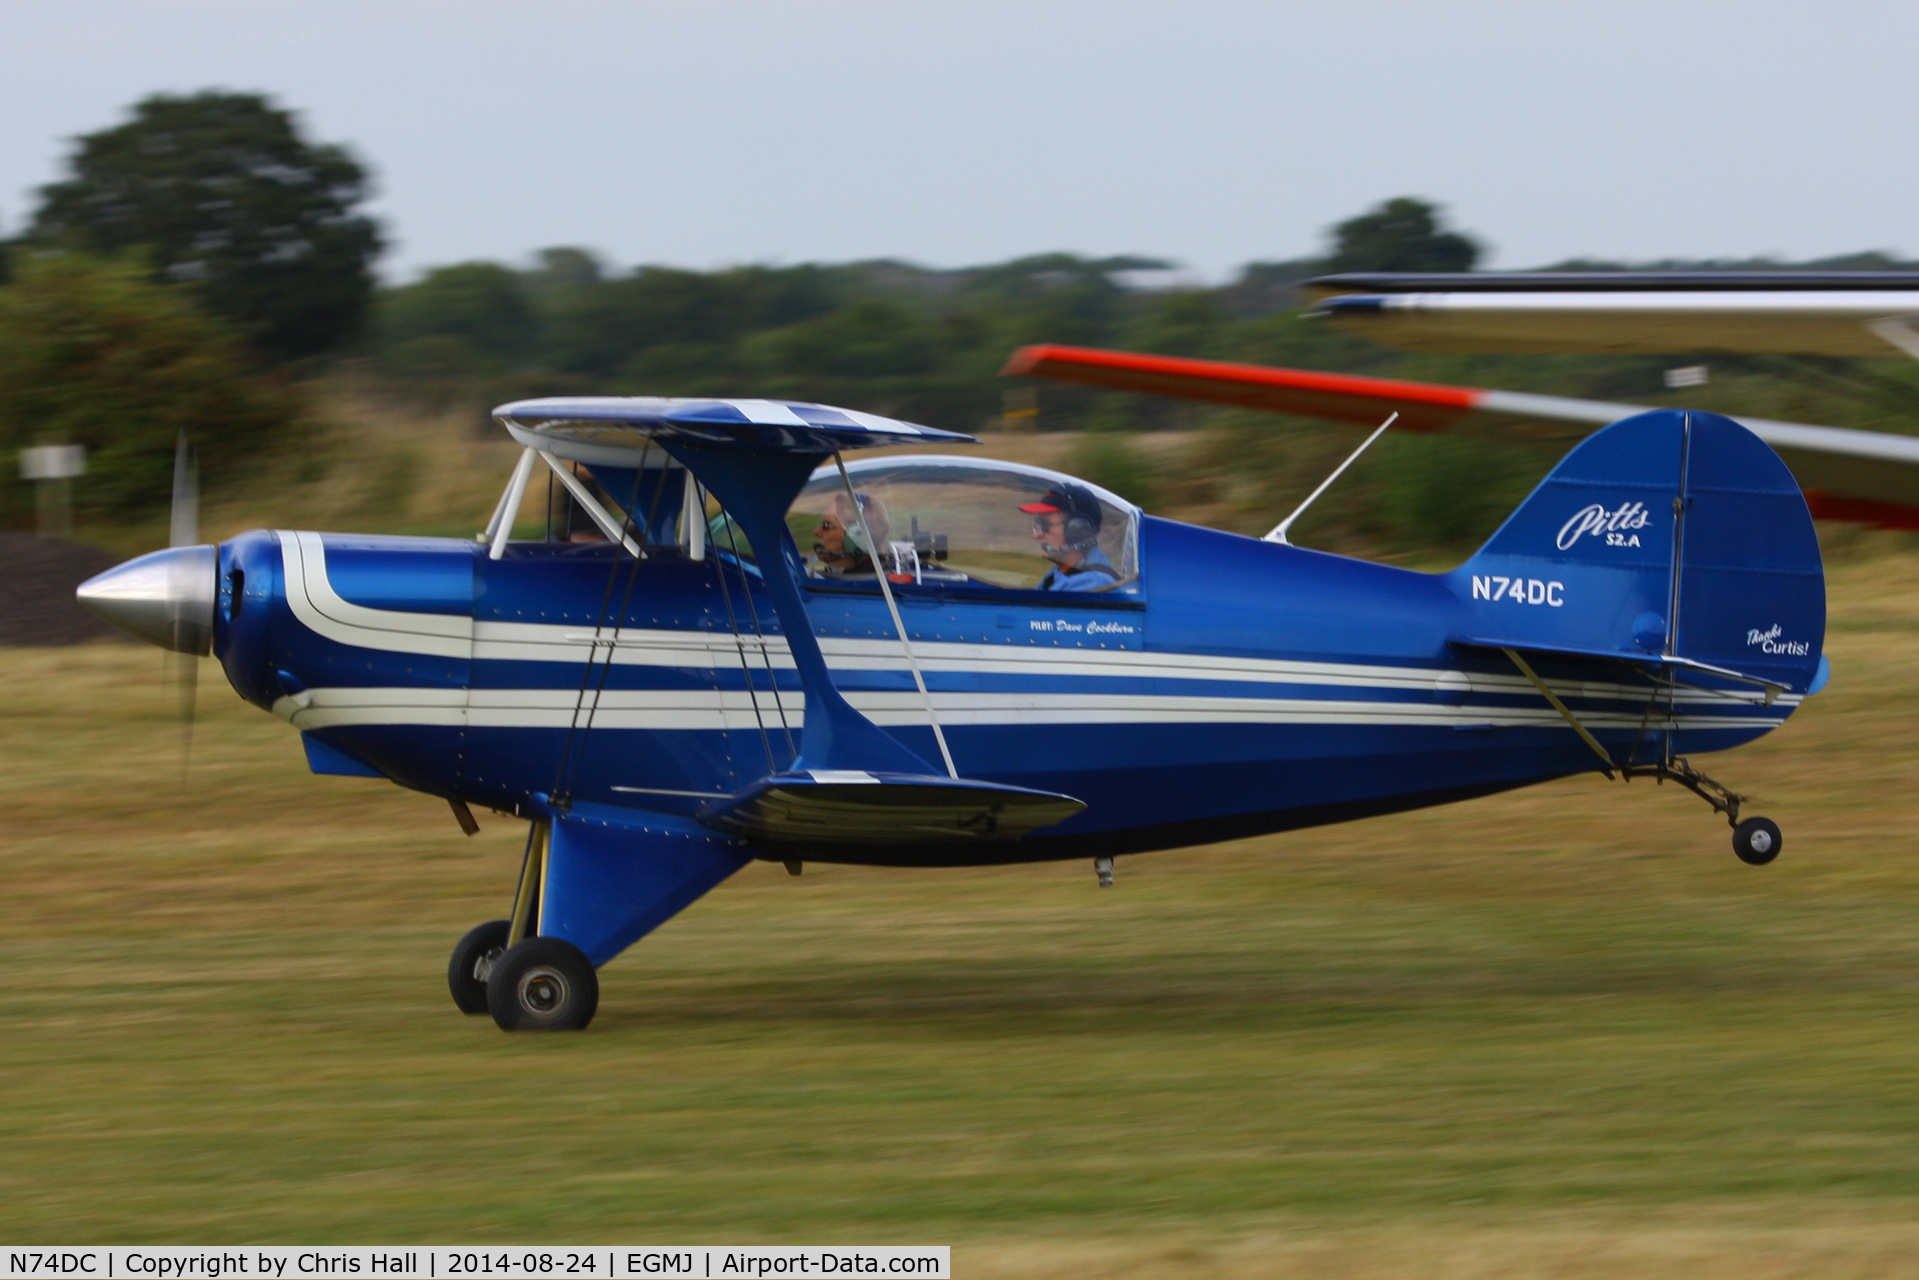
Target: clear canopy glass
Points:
(951, 520)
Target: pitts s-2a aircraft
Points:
(976, 662)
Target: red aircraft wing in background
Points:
(1866, 476)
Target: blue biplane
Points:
(731, 644)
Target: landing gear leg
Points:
(528, 983)
(475, 955)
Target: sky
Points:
(704, 133)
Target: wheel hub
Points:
(543, 991)
(483, 967)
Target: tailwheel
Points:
(1757, 841)
(472, 961)
(542, 984)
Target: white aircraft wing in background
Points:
(1844, 313)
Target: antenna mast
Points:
(1279, 530)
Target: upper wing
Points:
(1697, 313)
(609, 430)
(1846, 475)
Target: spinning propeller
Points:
(183, 658)
(167, 597)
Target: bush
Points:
(1112, 461)
(93, 352)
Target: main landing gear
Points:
(543, 984)
(473, 959)
(528, 983)
(1755, 840)
(538, 984)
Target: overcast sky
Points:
(708, 132)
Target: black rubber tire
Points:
(543, 984)
(479, 950)
(1757, 841)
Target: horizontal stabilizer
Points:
(1665, 662)
(829, 806)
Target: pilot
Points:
(839, 540)
(1066, 526)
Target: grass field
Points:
(1562, 1032)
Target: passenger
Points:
(840, 542)
(1066, 523)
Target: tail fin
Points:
(1669, 533)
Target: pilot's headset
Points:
(1081, 509)
(1081, 534)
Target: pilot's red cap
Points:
(1070, 499)
(1057, 498)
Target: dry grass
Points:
(1561, 1032)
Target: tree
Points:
(94, 352)
(596, 329)
(482, 304)
(224, 195)
(1400, 235)
(563, 270)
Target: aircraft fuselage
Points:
(1246, 687)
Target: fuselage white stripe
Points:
(314, 602)
(734, 709)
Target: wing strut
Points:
(892, 607)
(591, 505)
(500, 527)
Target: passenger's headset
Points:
(856, 531)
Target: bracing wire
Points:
(766, 654)
(653, 508)
(606, 667)
(569, 758)
(733, 622)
